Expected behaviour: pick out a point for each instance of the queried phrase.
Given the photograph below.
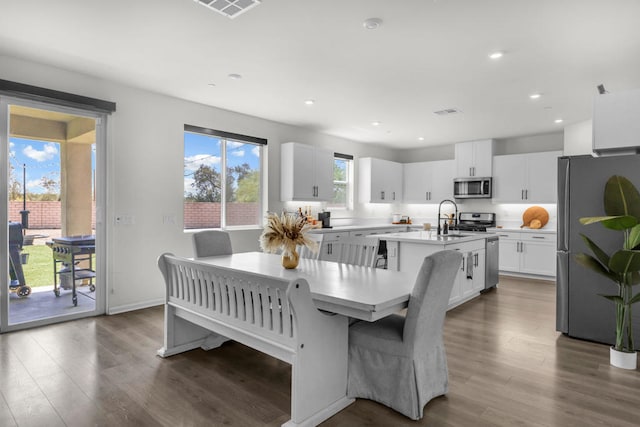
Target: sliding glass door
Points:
(52, 163)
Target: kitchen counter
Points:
(426, 238)
(406, 252)
(544, 230)
(400, 227)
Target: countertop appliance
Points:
(478, 222)
(472, 188)
(325, 218)
(580, 311)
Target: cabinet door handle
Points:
(462, 264)
(521, 194)
(538, 237)
(526, 194)
(382, 195)
(475, 260)
(426, 195)
(329, 248)
(394, 195)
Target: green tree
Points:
(248, 188)
(15, 188)
(206, 185)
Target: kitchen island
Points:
(405, 252)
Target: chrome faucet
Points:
(455, 219)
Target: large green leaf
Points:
(593, 264)
(634, 237)
(635, 299)
(614, 298)
(621, 197)
(620, 222)
(599, 253)
(624, 261)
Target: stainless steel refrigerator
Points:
(580, 311)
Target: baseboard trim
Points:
(137, 306)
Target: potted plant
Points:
(285, 233)
(622, 208)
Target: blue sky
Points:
(203, 149)
(42, 159)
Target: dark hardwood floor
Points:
(507, 367)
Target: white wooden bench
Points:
(207, 305)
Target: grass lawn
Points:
(39, 269)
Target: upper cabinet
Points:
(474, 158)
(526, 178)
(428, 182)
(306, 173)
(379, 181)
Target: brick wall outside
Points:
(42, 215)
(46, 215)
(207, 214)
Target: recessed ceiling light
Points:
(211, 84)
(235, 76)
(309, 102)
(496, 55)
(376, 123)
(535, 95)
(558, 121)
(421, 138)
(372, 23)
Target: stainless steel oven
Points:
(472, 188)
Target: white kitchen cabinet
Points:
(474, 158)
(527, 253)
(470, 278)
(331, 246)
(529, 178)
(306, 173)
(408, 256)
(379, 181)
(428, 182)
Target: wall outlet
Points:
(124, 220)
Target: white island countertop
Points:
(427, 238)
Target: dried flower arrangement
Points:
(286, 232)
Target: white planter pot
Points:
(621, 359)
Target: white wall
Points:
(578, 138)
(145, 164)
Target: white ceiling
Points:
(428, 55)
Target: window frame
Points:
(348, 205)
(225, 137)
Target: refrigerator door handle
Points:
(563, 203)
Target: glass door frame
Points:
(101, 198)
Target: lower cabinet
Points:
(469, 281)
(528, 253)
(470, 278)
(331, 246)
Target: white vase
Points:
(622, 359)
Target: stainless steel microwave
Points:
(472, 188)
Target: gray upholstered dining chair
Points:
(400, 361)
(211, 243)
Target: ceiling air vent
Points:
(229, 8)
(447, 111)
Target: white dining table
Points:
(363, 293)
(344, 290)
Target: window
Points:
(342, 179)
(222, 179)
